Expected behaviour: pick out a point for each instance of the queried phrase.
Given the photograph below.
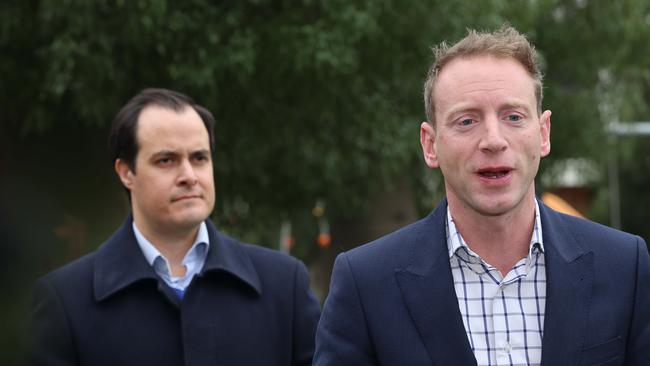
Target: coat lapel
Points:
(119, 263)
(428, 292)
(569, 276)
(226, 255)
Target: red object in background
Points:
(324, 240)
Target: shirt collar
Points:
(119, 262)
(198, 251)
(455, 241)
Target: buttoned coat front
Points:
(248, 306)
(393, 302)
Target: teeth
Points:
(493, 174)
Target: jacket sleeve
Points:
(638, 344)
(51, 343)
(342, 338)
(306, 312)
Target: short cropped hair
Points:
(123, 142)
(505, 42)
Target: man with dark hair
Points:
(167, 288)
(492, 276)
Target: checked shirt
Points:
(503, 316)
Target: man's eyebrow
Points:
(460, 109)
(471, 108)
(163, 153)
(200, 152)
(515, 105)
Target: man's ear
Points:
(124, 172)
(427, 140)
(545, 131)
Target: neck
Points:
(172, 244)
(501, 240)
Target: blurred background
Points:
(318, 106)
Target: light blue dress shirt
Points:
(193, 261)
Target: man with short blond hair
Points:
(492, 276)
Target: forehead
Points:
(481, 77)
(163, 128)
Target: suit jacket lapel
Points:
(428, 292)
(569, 276)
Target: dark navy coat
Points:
(248, 306)
(392, 302)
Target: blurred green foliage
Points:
(313, 100)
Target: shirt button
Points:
(507, 348)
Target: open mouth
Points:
(494, 173)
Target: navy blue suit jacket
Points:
(248, 306)
(392, 302)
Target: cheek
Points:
(531, 146)
(454, 156)
(207, 178)
(157, 196)
(154, 189)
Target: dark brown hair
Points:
(123, 142)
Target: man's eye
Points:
(164, 161)
(466, 122)
(514, 118)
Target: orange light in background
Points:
(558, 204)
(324, 240)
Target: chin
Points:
(501, 205)
(494, 207)
(192, 217)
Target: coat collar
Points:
(428, 291)
(119, 262)
(228, 255)
(569, 281)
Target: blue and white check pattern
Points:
(503, 316)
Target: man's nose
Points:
(492, 138)
(187, 175)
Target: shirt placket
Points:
(507, 317)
